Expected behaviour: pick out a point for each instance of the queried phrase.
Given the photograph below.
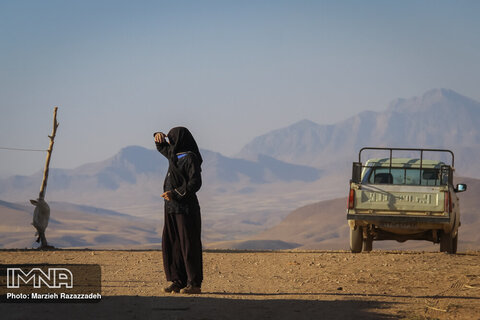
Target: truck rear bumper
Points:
(397, 218)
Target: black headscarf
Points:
(181, 140)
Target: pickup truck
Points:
(404, 199)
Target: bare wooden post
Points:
(43, 188)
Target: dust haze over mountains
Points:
(274, 174)
(441, 118)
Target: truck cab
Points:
(404, 198)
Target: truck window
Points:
(404, 176)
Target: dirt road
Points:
(271, 285)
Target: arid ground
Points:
(270, 285)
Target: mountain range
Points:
(275, 173)
(441, 118)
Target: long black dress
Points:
(181, 239)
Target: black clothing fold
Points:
(182, 249)
(185, 178)
(181, 239)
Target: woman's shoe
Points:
(174, 287)
(191, 290)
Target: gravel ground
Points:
(270, 285)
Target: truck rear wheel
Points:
(356, 239)
(448, 243)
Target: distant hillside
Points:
(274, 174)
(323, 225)
(252, 245)
(77, 226)
(441, 118)
(140, 172)
(131, 183)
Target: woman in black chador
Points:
(181, 243)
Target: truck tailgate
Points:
(403, 199)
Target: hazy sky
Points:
(228, 70)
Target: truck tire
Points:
(356, 239)
(448, 243)
(368, 243)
